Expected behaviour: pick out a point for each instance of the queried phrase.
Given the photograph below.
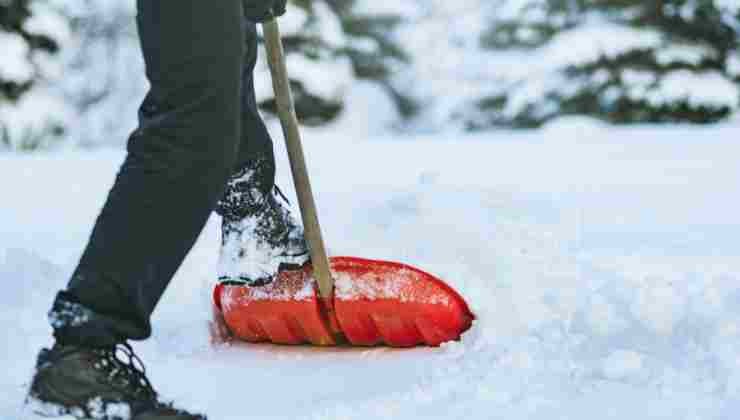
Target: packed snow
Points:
(602, 264)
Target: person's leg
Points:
(256, 144)
(178, 162)
(260, 236)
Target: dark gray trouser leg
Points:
(177, 165)
(256, 143)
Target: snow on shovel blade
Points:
(375, 302)
(381, 302)
(286, 311)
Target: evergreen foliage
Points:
(373, 48)
(22, 42)
(356, 44)
(28, 36)
(623, 61)
(98, 80)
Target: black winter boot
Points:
(96, 384)
(260, 237)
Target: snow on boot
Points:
(260, 237)
(96, 384)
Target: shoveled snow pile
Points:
(602, 264)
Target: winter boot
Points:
(260, 237)
(96, 384)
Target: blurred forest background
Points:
(71, 74)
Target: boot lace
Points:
(279, 192)
(124, 367)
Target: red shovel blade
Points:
(375, 302)
(286, 311)
(381, 302)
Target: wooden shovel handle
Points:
(289, 122)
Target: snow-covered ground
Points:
(603, 265)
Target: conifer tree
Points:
(333, 43)
(100, 77)
(622, 61)
(27, 42)
(19, 44)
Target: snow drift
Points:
(602, 265)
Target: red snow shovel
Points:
(342, 299)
